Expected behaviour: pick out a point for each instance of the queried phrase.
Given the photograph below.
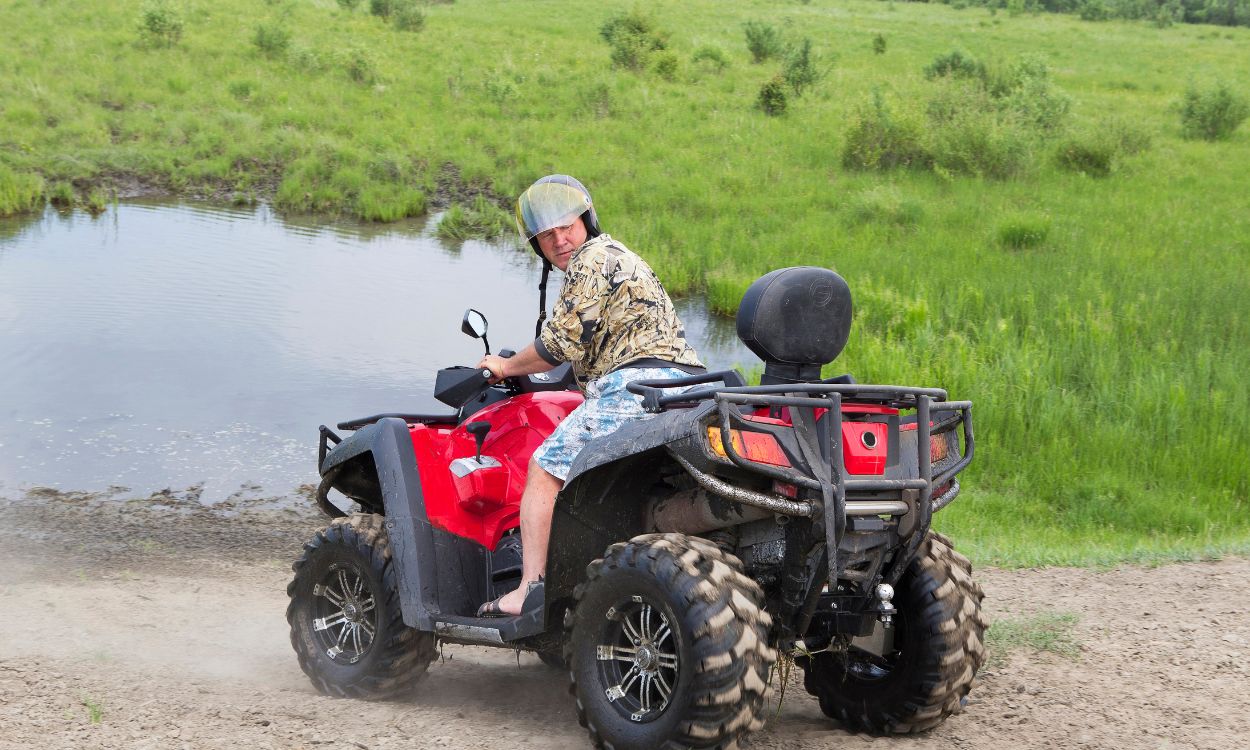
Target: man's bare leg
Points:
(536, 506)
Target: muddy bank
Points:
(155, 622)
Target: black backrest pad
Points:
(799, 315)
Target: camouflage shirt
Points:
(612, 311)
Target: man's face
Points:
(558, 243)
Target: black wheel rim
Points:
(639, 659)
(344, 614)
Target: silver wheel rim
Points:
(638, 659)
(345, 614)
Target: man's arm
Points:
(524, 362)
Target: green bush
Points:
(881, 139)
(408, 17)
(878, 44)
(955, 64)
(1212, 113)
(383, 9)
(1094, 10)
(633, 36)
(1023, 230)
(1026, 90)
(499, 88)
(348, 4)
(772, 97)
(763, 40)
(1130, 139)
(271, 39)
(160, 24)
(359, 65)
(711, 56)
(306, 58)
(666, 66)
(801, 69)
(1093, 154)
(981, 142)
(241, 90)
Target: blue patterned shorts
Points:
(607, 407)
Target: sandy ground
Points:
(145, 625)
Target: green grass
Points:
(1050, 632)
(1106, 359)
(95, 711)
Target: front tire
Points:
(938, 646)
(668, 646)
(344, 613)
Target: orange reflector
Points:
(753, 446)
(938, 449)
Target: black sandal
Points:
(492, 609)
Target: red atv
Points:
(686, 550)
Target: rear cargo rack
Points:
(804, 399)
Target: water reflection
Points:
(166, 345)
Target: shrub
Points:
(711, 56)
(884, 204)
(635, 24)
(348, 4)
(1129, 139)
(763, 40)
(801, 70)
(1038, 103)
(1091, 154)
(955, 64)
(882, 139)
(1023, 230)
(408, 17)
(1212, 113)
(359, 65)
(241, 90)
(499, 88)
(878, 45)
(666, 66)
(160, 24)
(271, 39)
(981, 142)
(772, 97)
(383, 9)
(633, 36)
(1094, 10)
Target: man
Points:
(613, 322)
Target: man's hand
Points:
(496, 365)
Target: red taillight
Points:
(753, 446)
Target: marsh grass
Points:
(478, 219)
(1107, 365)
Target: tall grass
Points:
(1106, 361)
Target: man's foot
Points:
(508, 605)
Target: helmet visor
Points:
(547, 205)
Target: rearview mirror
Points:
(474, 324)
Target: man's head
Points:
(556, 216)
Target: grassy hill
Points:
(1050, 246)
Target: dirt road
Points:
(144, 624)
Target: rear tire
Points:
(939, 644)
(668, 646)
(344, 613)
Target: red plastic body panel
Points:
(856, 457)
(485, 504)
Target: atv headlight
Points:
(753, 446)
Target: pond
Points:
(189, 346)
